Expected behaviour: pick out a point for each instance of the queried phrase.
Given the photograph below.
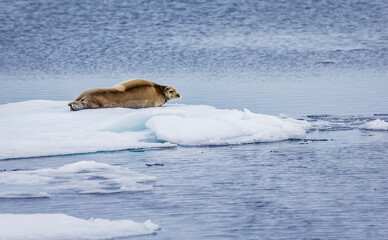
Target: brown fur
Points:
(136, 93)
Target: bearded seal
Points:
(137, 93)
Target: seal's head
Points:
(171, 93)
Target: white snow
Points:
(42, 127)
(61, 226)
(205, 125)
(80, 177)
(375, 125)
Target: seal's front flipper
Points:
(76, 105)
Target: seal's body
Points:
(136, 93)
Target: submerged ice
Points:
(42, 128)
(81, 177)
(62, 226)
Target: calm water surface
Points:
(327, 59)
(334, 189)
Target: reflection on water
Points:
(163, 36)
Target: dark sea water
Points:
(312, 60)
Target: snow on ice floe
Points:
(42, 128)
(377, 125)
(62, 226)
(84, 177)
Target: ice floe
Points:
(85, 177)
(42, 128)
(62, 226)
(205, 125)
(377, 125)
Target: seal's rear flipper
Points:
(76, 105)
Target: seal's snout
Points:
(76, 105)
(71, 107)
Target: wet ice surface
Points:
(318, 61)
(81, 177)
(56, 226)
